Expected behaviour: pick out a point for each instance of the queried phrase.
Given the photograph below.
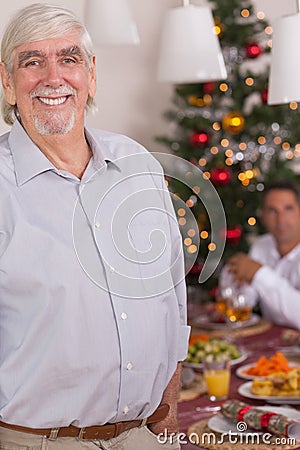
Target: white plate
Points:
(234, 362)
(245, 390)
(221, 424)
(245, 376)
(204, 323)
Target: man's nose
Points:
(53, 74)
(281, 217)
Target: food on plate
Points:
(278, 384)
(264, 366)
(211, 349)
(198, 337)
(262, 387)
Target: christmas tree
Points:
(228, 130)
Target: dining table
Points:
(264, 340)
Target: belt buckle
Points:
(53, 434)
(82, 431)
(143, 422)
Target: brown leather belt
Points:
(106, 431)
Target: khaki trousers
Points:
(135, 439)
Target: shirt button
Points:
(125, 410)
(111, 268)
(97, 224)
(129, 366)
(124, 316)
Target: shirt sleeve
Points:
(279, 300)
(178, 274)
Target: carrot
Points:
(198, 337)
(263, 366)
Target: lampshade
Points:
(110, 22)
(284, 80)
(190, 49)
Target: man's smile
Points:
(53, 101)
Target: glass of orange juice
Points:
(217, 378)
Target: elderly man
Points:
(92, 305)
(271, 272)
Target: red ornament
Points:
(213, 292)
(209, 87)
(233, 235)
(194, 161)
(196, 269)
(220, 176)
(264, 95)
(253, 50)
(199, 139)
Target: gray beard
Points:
(48, 127)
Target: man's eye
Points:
(32, 63)
(69, 60)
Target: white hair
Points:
(36, 22)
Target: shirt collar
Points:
(289, 256)
(29, 161)
(273, 247)
(100, 149)
(293, 253)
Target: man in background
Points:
(271, 270)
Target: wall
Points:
(129, 98)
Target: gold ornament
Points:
(199, 102)
(219, 27)
(233, 122)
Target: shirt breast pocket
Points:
(152, 245)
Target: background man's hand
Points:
(242, 267)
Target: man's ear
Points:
(8, 85)
(93, 81)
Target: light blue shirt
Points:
(92, 292)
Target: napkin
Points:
(291, 337)
(261, 420)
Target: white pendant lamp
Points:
(190, 49)
(284, 79)
(110, 22)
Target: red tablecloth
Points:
(265, 343)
